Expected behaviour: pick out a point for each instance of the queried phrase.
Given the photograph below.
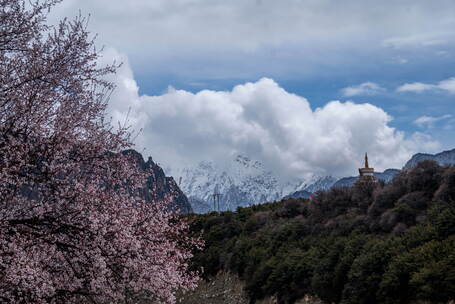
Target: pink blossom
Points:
(73, 225)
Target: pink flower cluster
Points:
(73, 225)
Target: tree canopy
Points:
(369, 243)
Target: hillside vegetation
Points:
(369, 243)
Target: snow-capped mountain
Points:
(242, 183)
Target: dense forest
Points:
(369, 243)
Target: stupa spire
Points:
(366, 170)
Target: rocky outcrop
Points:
(162, 185)
(227, 288)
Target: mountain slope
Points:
(445, 158)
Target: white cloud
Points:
(447, 85)
(265, 122)
(429, 121)
(417, 87)
(366, 88)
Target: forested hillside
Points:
(369, 243)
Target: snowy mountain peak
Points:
(241, 183)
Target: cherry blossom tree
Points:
(73, 225)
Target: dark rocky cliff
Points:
(164, 185)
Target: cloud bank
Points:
(261, 120)
(248, 24)
(196, 40)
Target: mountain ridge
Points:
(443, 158)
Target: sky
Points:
(305, 86)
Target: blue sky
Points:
(313, 49)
